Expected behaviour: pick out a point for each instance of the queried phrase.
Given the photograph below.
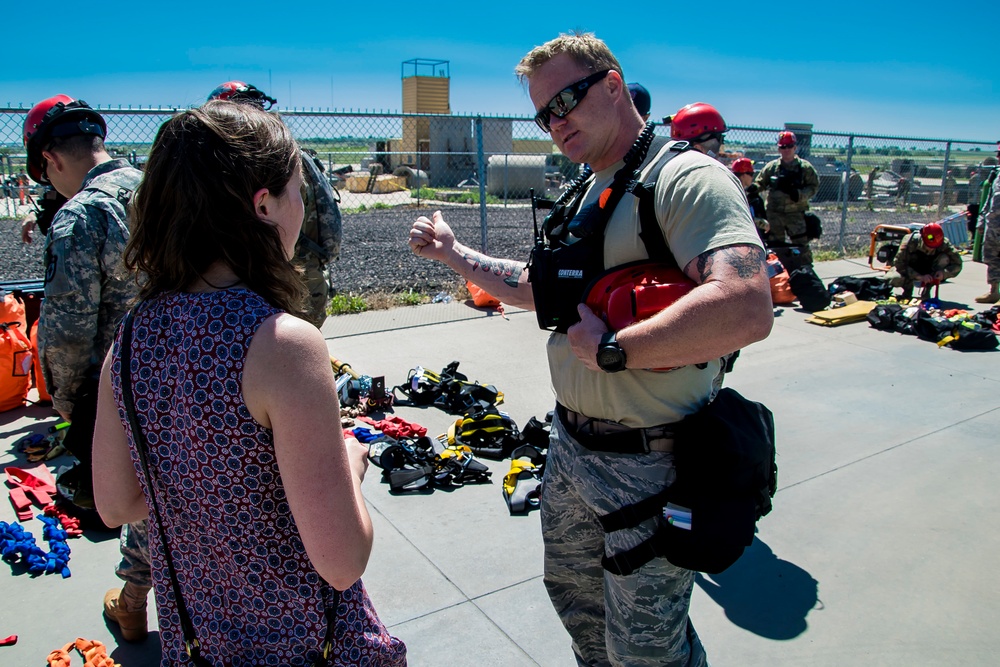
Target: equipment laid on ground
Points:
(359, 394)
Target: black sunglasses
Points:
(566, 100)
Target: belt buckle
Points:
(645, 441)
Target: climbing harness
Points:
(448, 390)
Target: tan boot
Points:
(126, 606)
(992, 296)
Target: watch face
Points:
(611, 358)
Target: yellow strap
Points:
(517, 466)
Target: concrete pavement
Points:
(880, 549)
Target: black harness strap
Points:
(632, 515)
(649, 227)
(627, 562)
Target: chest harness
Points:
(569, 249)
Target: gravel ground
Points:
(375, 258)
(374, 255)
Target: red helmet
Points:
(786, 139)
(695, 121)
(56, 117)
(239, 91)
(932, 235)
(636, 292)
(742, 165)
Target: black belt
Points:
(601, 435)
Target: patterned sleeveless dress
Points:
(252, 594)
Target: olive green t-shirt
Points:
(700, 206)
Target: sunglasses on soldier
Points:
(566, 100)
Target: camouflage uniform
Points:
(319, 241)
(915, 259)
(647, 610)
(783, 214)
(134, 547)
(87, 291)
(991, 235)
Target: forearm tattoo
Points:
(747, 260)
(508, 270)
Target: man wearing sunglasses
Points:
(789, 183)
(604, 396)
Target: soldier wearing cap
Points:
(641, 99)
(926, 258)
(991, 242)
(319, 240)
(87, 291)
(743, 168)
(788, 184)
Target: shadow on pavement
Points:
(761, 593)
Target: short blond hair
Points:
(583, 47)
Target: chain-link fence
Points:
(482, 168)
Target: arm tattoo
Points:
(747, 260)
(510, 271)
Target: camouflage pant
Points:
(134, 547)
(794, 226)
(317, 277)
(637, 620)
(991, 252)
(896, 279)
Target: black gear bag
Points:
(724, 457)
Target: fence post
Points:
(506, 165)
(846, 185)
(944, 179)
(481, 176)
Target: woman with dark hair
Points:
(257, 527)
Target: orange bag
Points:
(43, 393)
(481, 297)
(781, 289)
(15, 354)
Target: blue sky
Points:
(913, 69)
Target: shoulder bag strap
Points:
(191, 644)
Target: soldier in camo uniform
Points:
(991, 245)
(789, 183)
(612, 440)
(319, 240)
(87, 291)
(925, 258)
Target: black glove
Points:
(48, 205)
(784, 184)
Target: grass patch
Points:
(424, 193)
(825, 255)
(342, 304)
(453, 196)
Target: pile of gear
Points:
(359, 394)
(958, 329)
(17, 545)
(413, 461)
